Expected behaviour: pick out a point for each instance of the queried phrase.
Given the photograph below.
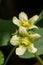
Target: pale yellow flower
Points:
(23, 44)
(25, 22)
(26, 41)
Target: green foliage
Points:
(1, 58)
(6, 30)
(40, 20)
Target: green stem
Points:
(9, 56)
(39, 59)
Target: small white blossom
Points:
(26, 41)
(24, 22)
(23, 44)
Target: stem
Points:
(39, 59)
(9, 55)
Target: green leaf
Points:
(4, 38)
(6, 29)
(38, 45)
(40, 20)
(1, 58)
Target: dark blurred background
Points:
(9, 8)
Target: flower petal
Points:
(33, 27)
(32, 49)
(34, 19)
(15, 40)
(20, 50)
(23, 31)
(23, 16)
(16, 21)
(34, 37)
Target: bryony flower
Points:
(26, 41)
(23, 44)
(25, 22)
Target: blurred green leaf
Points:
(1, 58)
(6, 29)
(38, 45)
(40, 20)
(4, 38)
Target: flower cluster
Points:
(25, 36)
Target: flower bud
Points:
(34, 37)
(23, 31)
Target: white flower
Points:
(26, 41)
(23, 21)
(34, 37)
(15, 40)
(23, 45)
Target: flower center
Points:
(26, 41)
(25, 24)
